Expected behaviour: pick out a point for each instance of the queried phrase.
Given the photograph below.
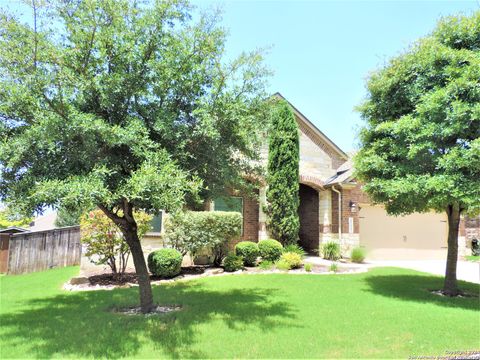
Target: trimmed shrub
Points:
(196, 231)
(293, 259)
(357, 255)
(308, 267)
(233, 263)
(294, 248)
(248, 250)
(166, 262)
(270, 249)
(331, 250)
(282, 265)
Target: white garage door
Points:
(412, 237)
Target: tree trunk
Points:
(146, 297)
(128, 227)
(450, 286)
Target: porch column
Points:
(262, 217)
(325, 215)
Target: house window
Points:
(229, 203)
(157, 223)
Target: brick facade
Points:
(355, 195)
(250, 218)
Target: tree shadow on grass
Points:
(419, 288)
(81, 324)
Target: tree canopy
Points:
(10, 219)
(420, 146)
(123, 105)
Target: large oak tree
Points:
(421, 142)
(123, 105)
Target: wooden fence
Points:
(42, 250)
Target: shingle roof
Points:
(344, 173)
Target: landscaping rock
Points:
(157, 310)
(214, 271)
(79, 280)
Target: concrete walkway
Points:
(466, 270)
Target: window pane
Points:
(157, 223)
(228, 203)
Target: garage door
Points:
(412, 237)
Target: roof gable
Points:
(313, 132)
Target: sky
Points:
(322, 52)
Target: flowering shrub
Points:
(105, 242)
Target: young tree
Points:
(283, 175)
(123, 105)
(421, 142)
(106, 243)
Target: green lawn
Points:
(384, 313)
(472, 258)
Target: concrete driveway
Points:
(466, 270)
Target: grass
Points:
(473, 258)
(384, 313)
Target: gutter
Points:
(339, 213)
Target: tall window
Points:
(157, 223)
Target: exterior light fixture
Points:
(353, 206)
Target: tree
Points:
(9, 219)
(421, 141)
(105, 241)
(123, 105)
(283, 175)
(68, 217)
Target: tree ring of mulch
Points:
(459, 295)
(157, 310)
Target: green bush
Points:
(195, 231)
(282, 265)
(265, 265)
(308, 267)
(233, 263)
(270, 249)
(334, 267)
(331, 250)
(357, 255)
(248, 250)
(294, 248)
(166, 263)
(294, 260)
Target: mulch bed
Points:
(131, 278)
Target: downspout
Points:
(339, 213)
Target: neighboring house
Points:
(13, 230)
(44, 222)
(326, 180)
